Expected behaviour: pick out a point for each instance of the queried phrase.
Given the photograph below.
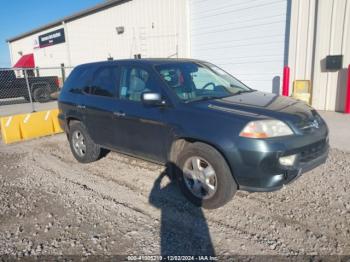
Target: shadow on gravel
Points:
(184, 229)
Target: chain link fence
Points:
(25, 90)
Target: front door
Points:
(140, 129)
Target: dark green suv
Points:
(217, 134)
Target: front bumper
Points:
(288, 174)
(256, 167)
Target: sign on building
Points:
(52, 38)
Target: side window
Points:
(105, 82)
(133, 82)
(78, 79)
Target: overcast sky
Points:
(19, 16)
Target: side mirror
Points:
(152, 99)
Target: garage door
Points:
(247, 38)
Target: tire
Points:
(225, 185)
(92, 151)
(41, 94)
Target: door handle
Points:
(119, 114)
(81, 107)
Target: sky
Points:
(20, 16)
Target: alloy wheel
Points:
(78, 142)
(200, 177)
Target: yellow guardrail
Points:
(28, 126)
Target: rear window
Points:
(78, 79)
(105, 82)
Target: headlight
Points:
(266, 129)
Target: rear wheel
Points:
(82, 146)
(205, 178)
(41, 94)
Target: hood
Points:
(261, 104)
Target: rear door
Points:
(100, 104)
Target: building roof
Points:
(69, 18)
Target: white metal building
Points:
(252, 39)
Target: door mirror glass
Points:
(155, 99)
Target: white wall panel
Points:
(246, 38)
(301, 48)
(332, 39)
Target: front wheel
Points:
(205, 178)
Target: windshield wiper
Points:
(204, 98)
(243, 91)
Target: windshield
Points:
(193, 81)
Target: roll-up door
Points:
(248, 38)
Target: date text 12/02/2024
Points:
(172, 258)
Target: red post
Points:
(286, 75)
(347, 101)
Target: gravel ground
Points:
(52, 205)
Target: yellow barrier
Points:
(27, 126)
(10, 129)
(36, 125)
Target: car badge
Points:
(315, 124)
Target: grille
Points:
(313, 151)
